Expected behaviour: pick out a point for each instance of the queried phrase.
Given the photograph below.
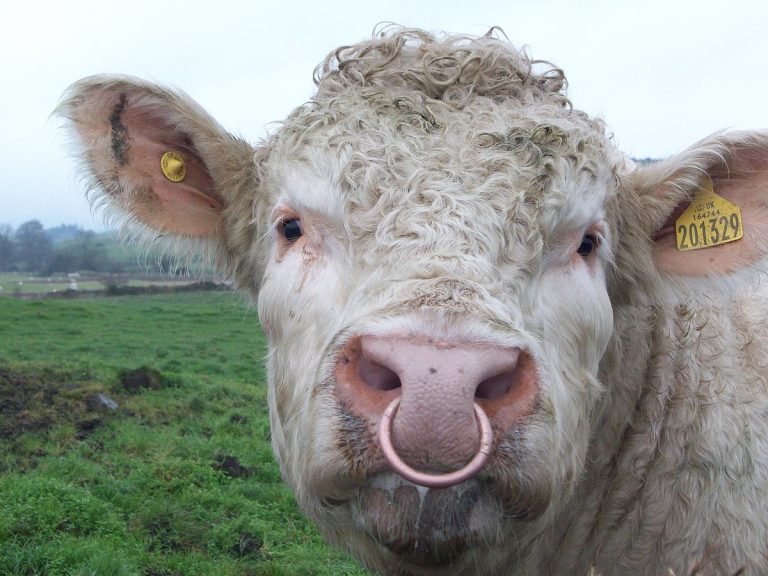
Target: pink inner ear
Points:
(190, 207)
(750, 194)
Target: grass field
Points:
(179, 479)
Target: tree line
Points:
(33, 249)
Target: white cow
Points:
(488, 352)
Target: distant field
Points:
(15, 283)
(179, 479)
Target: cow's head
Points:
(435, 240)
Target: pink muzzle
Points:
(433, 406)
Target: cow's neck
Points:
(659, 458)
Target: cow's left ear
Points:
(733, 167)
(160, 165)
(154, 154)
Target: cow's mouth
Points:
(428, 528)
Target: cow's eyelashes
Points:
(589, 244)
(290, 229)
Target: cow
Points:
(497, 345)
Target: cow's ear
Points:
(733, 166)
(153, 156)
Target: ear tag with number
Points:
(709, 221)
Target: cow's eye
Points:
(588, 245)
(290, 228)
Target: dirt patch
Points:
(87, 426)
(230, 466)
(140, 379)
(238, 419)
(38, 400)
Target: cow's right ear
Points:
(155, 158)
(722, 182)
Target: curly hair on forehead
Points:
(450, 68)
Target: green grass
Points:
(179, 480)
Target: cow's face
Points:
(430, 256)
(449, 258)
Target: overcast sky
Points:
(662, 73)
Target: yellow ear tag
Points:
(173, 166)
(709, 221)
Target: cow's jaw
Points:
(426, 527)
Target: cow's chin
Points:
(426, 527)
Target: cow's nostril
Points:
(377, 376)
(495, 386)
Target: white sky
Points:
(663, 73)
